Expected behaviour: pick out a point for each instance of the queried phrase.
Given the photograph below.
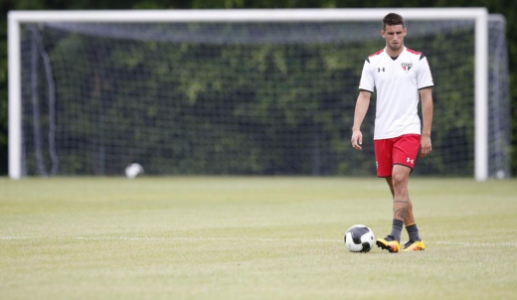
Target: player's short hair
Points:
(392, 19)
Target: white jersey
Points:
(398, 81)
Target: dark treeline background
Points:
(506, 7)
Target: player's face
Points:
(394, 36)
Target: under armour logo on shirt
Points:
(380, 69)
(411, 161)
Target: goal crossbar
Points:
(246, 15)
(478, 15)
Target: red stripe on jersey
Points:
(376, 53)
(413, 51)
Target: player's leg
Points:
(415, 242)
(410, 219)
(412, 229)
(405, 153)
(384, 160)
(398, 186)
(401, 201)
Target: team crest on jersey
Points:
(407, 66)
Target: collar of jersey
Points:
(394, 58)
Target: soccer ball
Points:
(134, 170)
(359, 238)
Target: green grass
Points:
(251, 238)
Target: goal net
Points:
(240, 97)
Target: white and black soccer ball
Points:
(359, 238)
(133, 170)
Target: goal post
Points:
(479, 16)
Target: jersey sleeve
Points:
(425, 78)
(367, 82)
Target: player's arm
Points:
(361, 107)
(426, 96)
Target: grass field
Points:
(251, 238)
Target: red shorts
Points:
(401, 150)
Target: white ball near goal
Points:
(133, 170)
(359, 238)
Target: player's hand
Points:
(425, 146)
(357, 139)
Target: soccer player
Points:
(401, 76)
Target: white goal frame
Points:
(479, 15)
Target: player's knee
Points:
(399, 180)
